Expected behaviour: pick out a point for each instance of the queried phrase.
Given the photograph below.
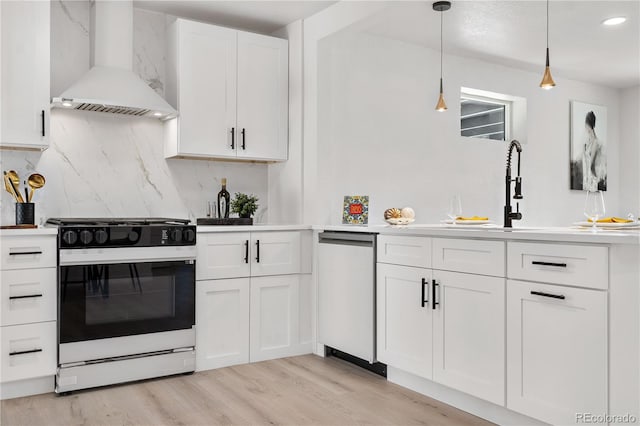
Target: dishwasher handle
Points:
(347, 238)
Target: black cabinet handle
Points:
(246, 251)
(434, 303)
(24, 253)
(42, 116)
(243, 138)
(258, 251)
(557, 265)
(233, 138)
(32, 351)
(423, 300)
(24, 297)
(553, 296)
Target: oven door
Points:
(103, 301)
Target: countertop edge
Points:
(35, 231)
(250, 228)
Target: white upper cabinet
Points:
(25, 79)
(231, 91)
(262, 97)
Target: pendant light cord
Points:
(441, 18)
(547, 24)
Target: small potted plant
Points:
(243, 204)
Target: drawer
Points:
(472, 256)
(28, 351)
(582, 266)
(30, 251)
(223, 255)
(27, 296)
(401, 250)
(275, 253)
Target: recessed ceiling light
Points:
(157, 114)
(67, 104)
(617, 20)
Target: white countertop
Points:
(37, 231)
(251, 228)
(566, 234)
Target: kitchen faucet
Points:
(508, 214)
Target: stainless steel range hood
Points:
(110, 85)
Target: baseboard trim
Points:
(476, 406)
(20, 388)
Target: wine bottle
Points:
(223, 200)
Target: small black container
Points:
(25, 213)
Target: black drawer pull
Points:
(43, 124)
(24, 253)
(24, 297)
(258, 251)
(557, 265)
(243, 139)
(32, 351)
(246, 251)
(423, 300)
(553, 296)
(434, 302)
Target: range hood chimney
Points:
(110, 85)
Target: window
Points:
(484, 116)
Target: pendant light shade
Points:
(547, 82)
(441, 6)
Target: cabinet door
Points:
(206, 89)
(274, 316)
(25, 75)
(222, 323)
(275, 253)
(557, 351)
(223, 255)
(404, 318)
(28, 351)
(469, 334)
(263, 79)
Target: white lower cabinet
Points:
(222, 323)
(28, 351)
(557, 351)
(274, 316)
(469, 334)
(404, 318)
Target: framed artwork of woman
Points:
(588, 147)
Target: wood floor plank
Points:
(304, 390)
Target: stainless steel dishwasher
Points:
(346, 293)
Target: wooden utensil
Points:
(35, 181)
(15, 184)
(8, 185)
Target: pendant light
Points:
(547, 82)
(441, 6)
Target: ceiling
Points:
(258, 16)
(512, 33)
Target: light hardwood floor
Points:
(304, 390)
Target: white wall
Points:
(285, 179)
(630, 150)
(106, 165)
(378, 134)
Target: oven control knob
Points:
(176, 235)
(189, 235)
(86, 237)
(70, 237)
(101, 236)
(133, 236)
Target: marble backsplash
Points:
(108, 165)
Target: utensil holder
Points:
(25, 213)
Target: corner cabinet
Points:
(253, 297)
(25, 80)
(231, 90)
